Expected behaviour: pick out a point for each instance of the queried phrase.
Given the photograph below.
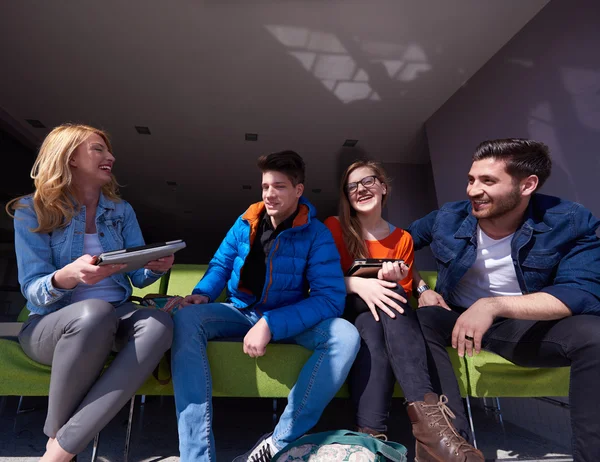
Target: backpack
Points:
(339, 446)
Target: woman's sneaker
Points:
(263, 450)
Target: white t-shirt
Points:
(492, 274)
(107, 289)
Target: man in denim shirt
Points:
(519, 275)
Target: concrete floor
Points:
(238, 423)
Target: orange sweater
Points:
(398, 244)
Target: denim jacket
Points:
(40, 255)
(555, 250)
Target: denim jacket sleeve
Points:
(421, 230)
(34, 260)
(132, 237)
(577, 280)
(220, 267)
(327, 292)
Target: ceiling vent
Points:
(246, 186)
(171, 183)
(251, 136)
(350, 143)
(316, 190)
(142, 130)
(35, 123)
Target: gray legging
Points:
(76, 341)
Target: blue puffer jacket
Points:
(303, 257)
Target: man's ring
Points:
(468, 337)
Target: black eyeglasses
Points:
(367, 182)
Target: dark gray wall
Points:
(412, 197)
(544, 84)
(18, 159)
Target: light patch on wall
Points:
(402, 62)
(392, 67)
(541, 127)
(526, 63)
(542, 112)
(327, 59)
(584, 87)
(352, 91)
(334, 67)
(412, 71)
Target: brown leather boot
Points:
(437, 439)
(373, 433)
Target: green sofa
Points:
(234, 373)
(272, 376)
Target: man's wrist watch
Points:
(422, 289)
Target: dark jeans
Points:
(572, 341)
(391, 349)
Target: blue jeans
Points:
(334, 342)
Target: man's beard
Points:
(500, 206)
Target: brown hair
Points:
(351, 226)
(522, 157)
(287, 162)
(53, 199)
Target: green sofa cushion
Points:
(234, 373)
(273, 375)
(491, 375)
(184, 277)
(157, 287)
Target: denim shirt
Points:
(555, 250)
(40, 255)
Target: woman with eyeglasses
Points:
(392, 347)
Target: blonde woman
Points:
(392, 346)
(80, 311)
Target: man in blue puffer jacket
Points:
(284, 282)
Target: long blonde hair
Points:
(53, 200)
(351, 226)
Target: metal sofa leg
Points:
(471, 421)
(499, 413)
(20, 409)
(95, 447)
(129, 424)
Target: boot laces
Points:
(444, 414)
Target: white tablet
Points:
(137, 257)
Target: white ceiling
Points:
(304, 75)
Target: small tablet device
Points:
(369, 267)
(137, 257)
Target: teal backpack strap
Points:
(388, 449)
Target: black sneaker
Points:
(261, 452)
